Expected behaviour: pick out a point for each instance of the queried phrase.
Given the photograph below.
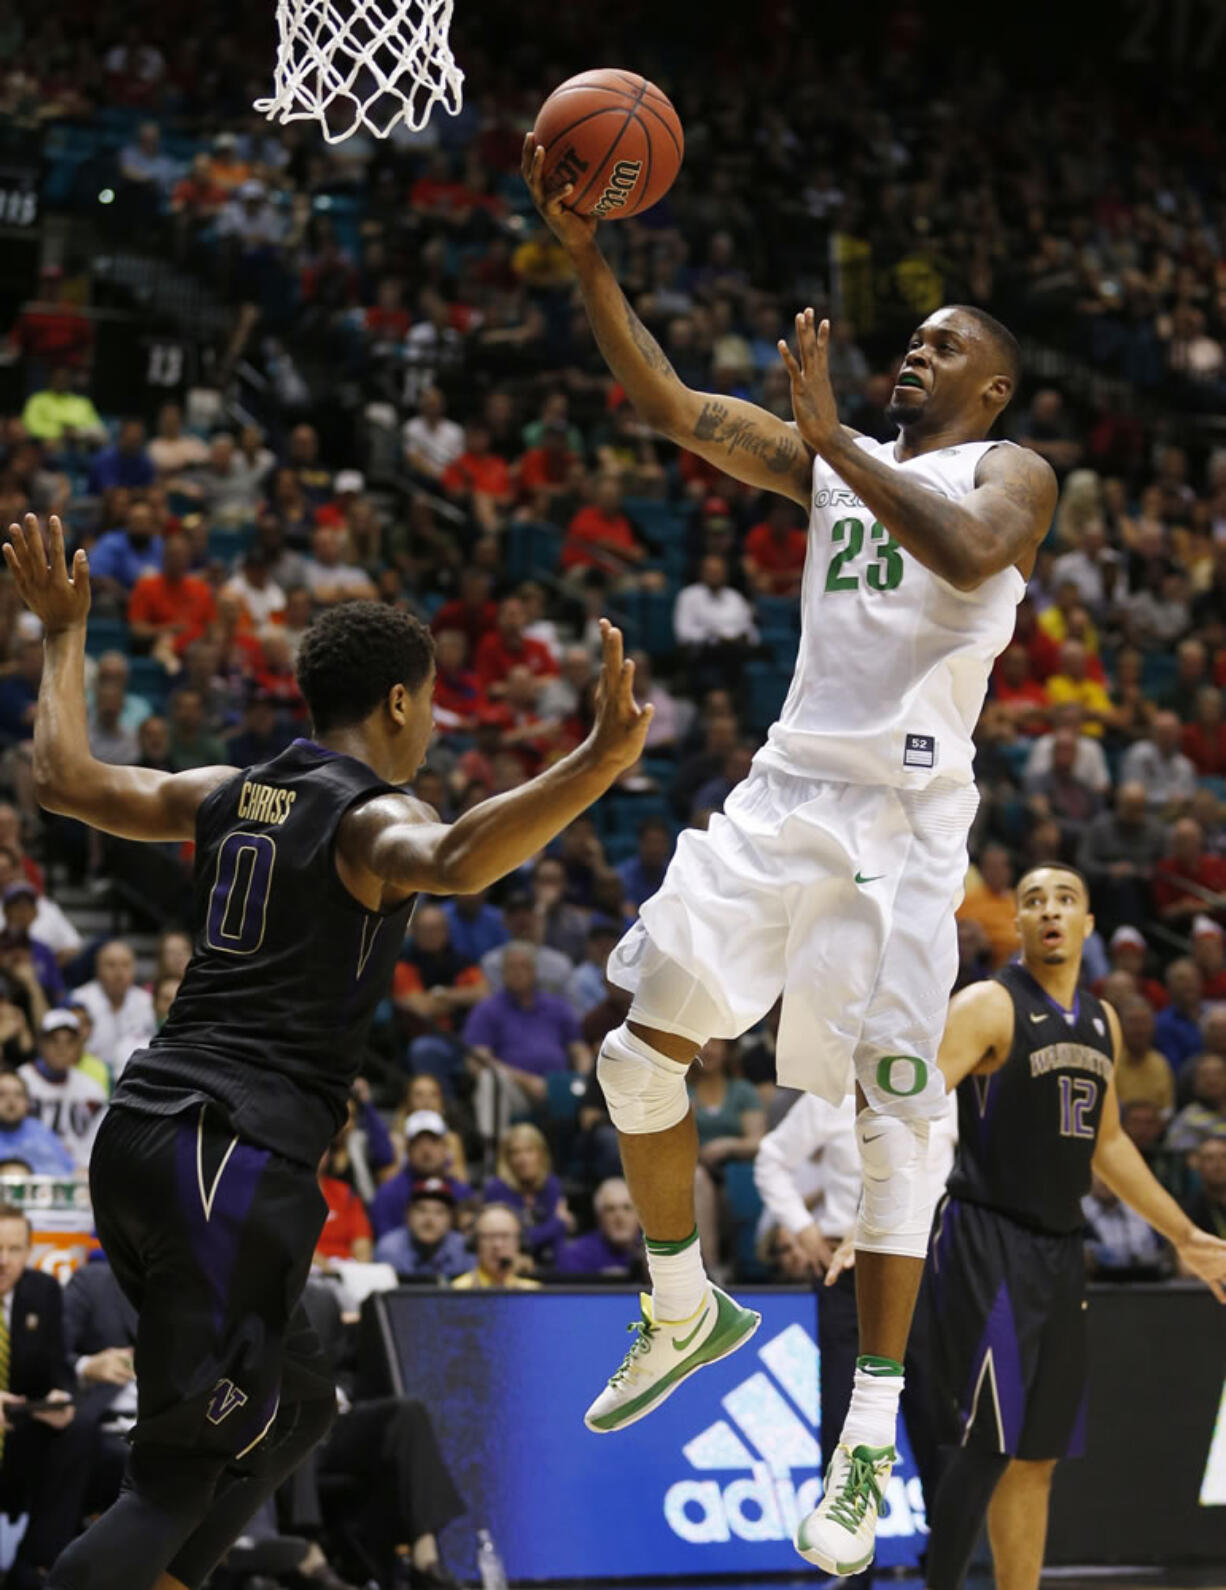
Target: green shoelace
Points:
(858, 1489)
(644, 1330)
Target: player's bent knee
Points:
(899, 1192)
(644, 1090)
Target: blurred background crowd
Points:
(258, 375)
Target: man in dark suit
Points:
(46, 1456)
(100, 1334)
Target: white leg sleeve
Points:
(644, 1089)
(900, 1191)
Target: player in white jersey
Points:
(833, 875)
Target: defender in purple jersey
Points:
(204, 1171)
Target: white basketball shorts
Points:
(840, 898)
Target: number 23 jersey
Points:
(1027, 1132)
(893, 662)
(287, 967)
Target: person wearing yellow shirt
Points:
(1143, 1074)
(1073, 683)
(496, 1233)
(1067, 618)
(58, 414)
(990, 902)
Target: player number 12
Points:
(1078, 1096)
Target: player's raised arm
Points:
(390, 839)
(131, 802)
(978, 1032)
(745, 441)
(1118, 1162)
(966, 540)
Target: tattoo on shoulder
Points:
(649, 349)
(736, 435)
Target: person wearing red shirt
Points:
(1041, 649)
(1128, 951)
(1209, 953)
(1203, 741)
(51, 330)
(472, 612)
(1017, 697)
(548, 470)
(479, 479)
(171, 605)
(507, 647)
(774, 557)
(600, 536)
(458, 697)
(346, 1233)
(1188, 864)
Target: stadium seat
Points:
(1157, 673)
(778, 612)
(766, 687)
(147, 677)
(745, 1208)
(227, 546)
(105, 634)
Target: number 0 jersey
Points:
(1026, 1133)
(893, 663)
(287, 966)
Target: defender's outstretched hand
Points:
(813, 406)
(53, 594)
(570, 229)
(1205, 1255)
(621, 724)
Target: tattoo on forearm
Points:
(652, 354)
(742, 435)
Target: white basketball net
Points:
(363, 63)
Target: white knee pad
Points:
(644, 1089)
(899, 1192)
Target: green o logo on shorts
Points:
(918, 1076)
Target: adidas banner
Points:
(712, 1482)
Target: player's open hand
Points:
(1205, 1255)
(621, 723)
(571, 230)
(53, 594)
(813, 405)
(844, 1259)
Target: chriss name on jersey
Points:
(1069, 1057)
(265, 803)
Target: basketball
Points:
(616, 137)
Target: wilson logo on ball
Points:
(621, 185)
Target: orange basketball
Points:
(616, 137)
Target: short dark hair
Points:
(1054, 866)
(1005, 343)
(10, 1211)
(353, 655)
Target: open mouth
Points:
(909, 379)
(1051, 937)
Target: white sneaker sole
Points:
(680, 1381)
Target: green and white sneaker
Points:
(840, 1534)
(666, 1352)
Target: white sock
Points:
(678, 1279)
(872, 1417)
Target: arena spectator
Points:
(170, 609)
(65, 1099)
(714, 626)
(1205, 1116)
(1177, 1028)
(614, 1250)
(563, 925)
(473, 612)
(1207, 1205)
(643, 873)
(229, 482)
(261, 598)
(519, 1036)
(1204, 739)
(507, 646)
(1209, 953)
(524, 924)
(479, 480)
(586, 987)
(119, 558)
(45, 1458)
(1048, 429)
(109, 740)
(121, 1011)
(1142, 1074)
(427, 1246)
(475, 927)
(346, 1233)
(60, 415)
(1119, 1244)
(50, 926)
(19, 691)
(1118, 852)
(432, 441)
(425, 1136)
(330, 577)
(172, 449)
(773, 559)
(433, 989)
(1128, 952)
(601, 535)
(125, 463)
(524, 1181)
(1188, 882)
(23, 1137)
(497, 1237)
(1072, 682)
(991, 903)
(1090, 763)
(20, 906)
(1018, 702)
